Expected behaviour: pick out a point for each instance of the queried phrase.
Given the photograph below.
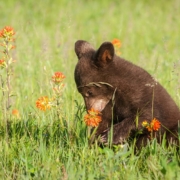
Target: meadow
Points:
(53, 144)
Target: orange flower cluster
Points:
(93, 118)
(154, 125)
(7, 32)
(6, 36)
(43, 103)
(117, 45)
(58, 77)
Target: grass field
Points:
(47, 145)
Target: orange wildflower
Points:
(7, 31)
(154, 125)
(43, 103)
(58, 77)
(15, 113)
(116, 43)
(93, 118)
(2, 63)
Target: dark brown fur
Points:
(132, 93)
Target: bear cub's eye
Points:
(88, 93)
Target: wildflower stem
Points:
(169, 130)
(58, 103)
(6, 34)
(91, 136)
(8, 77)
(4, 109)
(153, 102)
(2, 99)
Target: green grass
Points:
(42, 146)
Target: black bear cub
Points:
(125, 94)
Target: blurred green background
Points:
(47, 30)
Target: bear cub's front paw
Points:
(105, 138)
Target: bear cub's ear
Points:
(104, 54)
(83, 48)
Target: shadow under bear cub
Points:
(125, 94)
